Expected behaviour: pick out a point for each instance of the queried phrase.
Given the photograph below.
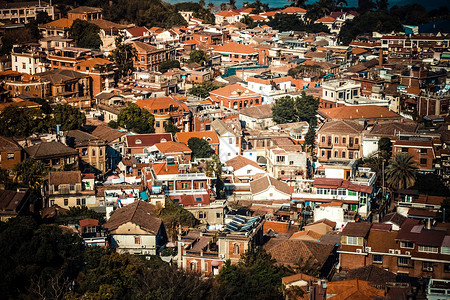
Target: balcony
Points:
(326, 145)
(353, 146)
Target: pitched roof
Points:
(96, 61)
(326, 19)
(210, 136)
(11, 200)
(296, 277)
(140, 213)
(165, 169)
(23, 104)
(341, 126)
(144, 47)
(172, 147)
(290, 252)
(373, 274)
(107, 25)
(239, 162)
(227, 13)
(76, 138)
(304, 234)
(58, 76)
(49, 149)
(64, 177)
(293, 10)
(391, 128)
(258, 112)
(382, 241)
(234, 91)
(167, 104)
(262, 184)
(356, 229)
(60, 23)
(85, 9)
(233, 47)
(107, 133)
(359, 112)
(394, 218)
(147, 140)
(352, 289)
(138, 31)
(8, 144)
(88, 222)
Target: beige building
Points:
(67, 189)
(91, 149)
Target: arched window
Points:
(193, 266)
(27, 89)
(236, 249)
(138, 142)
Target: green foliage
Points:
(259, 7)
(365, 6)
(174, 216)
(307, 70)
(85, 34)
(136, 119)
(77, 213)
(123, 57)
(254, 277)
(143, 13)
(200, 148)
(379, 21)
(431, 184)
(288, 22)
(198, 56)
(401, 171)
(113, 124)
(310, 137)
(169, 127)
(320, 9)
(30, 172)
(214, 169)
(412, 14)
(289, 110)
(199, 11)
(385, 147)
(37, 262)
(16, 121)
(68, 116)
(169, 64)
(42, 17)
(202, 90)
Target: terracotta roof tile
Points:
(172, 147)
(210, 136)
(263, 183)
(293, 10)
(60, 23)
(327, 19)
(64, 177)
(233, 47)
(146, 140)
(234, 91)
(140, 213)
(352, 289)
(359, 112)
(239, 162)
(356, 229)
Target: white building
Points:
(270, 189)
(287, 162)
(28, 59)
(244, 167)
(24, 12)
(333, 211)
(229, 140)
(272, 88)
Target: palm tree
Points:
(401, 171)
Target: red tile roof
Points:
(147, 140)
(165, 169)
(325, 20)
(233, 47)
(234, 91)
(210, 136)
(359, 112)
(138, 31)
(293, 10)
(352, 289)
(239, 162)
(192, 200)
(173, 147)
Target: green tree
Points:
(200, 148)
(385, 147)
(310, 138)
(123, 57)
(77, 213)
(16, 121)
(365, 6)
(431, 184)
(283, 111)
(42, 17)
(68, 117)
(198, 56)
(202, 90)
(85, 34)
(289, 110)
(214, 169)
(30, 172)
(401, 171)
(168, 64)
(171, 128)
(135, 119)
(174, 216)
(113, 124)
(255, 277)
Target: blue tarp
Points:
(143, 196)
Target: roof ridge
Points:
(135, 209)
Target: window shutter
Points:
(344, 240)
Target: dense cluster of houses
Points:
(322, 206)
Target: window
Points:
(249, 171)
(336, 140)
(355, 92)
(423, 161)
(445, 250)
(323, 153)
(403, 261)
(24, 66)
(218, 215)
(84, 152)
(230, 141)
(100, 152)
(352, 193)
(235, 249)
(352, 240)
(81, 201)
(176, 200)
(404, 149)
(344, 140)
(427, 266)
(52, 202)
(66, 202)
(377, 259)
(10, 155)
(424, 151)
(323, 139)
(350, 141)
(193, 266)
(93, 152)
(198, 199)
(342, 192)
(428, 249)
(407, 245)
(350, 155)
(447, 268)
(280, 158)
(336, 154)
(137, 240)
(343, 154)
(184, 185)
(356, 141)
(72, 187)
(201, 215)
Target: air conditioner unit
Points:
(358, 250)
(397, 252)
(391, 251)
(408, 253)
(368, 249)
